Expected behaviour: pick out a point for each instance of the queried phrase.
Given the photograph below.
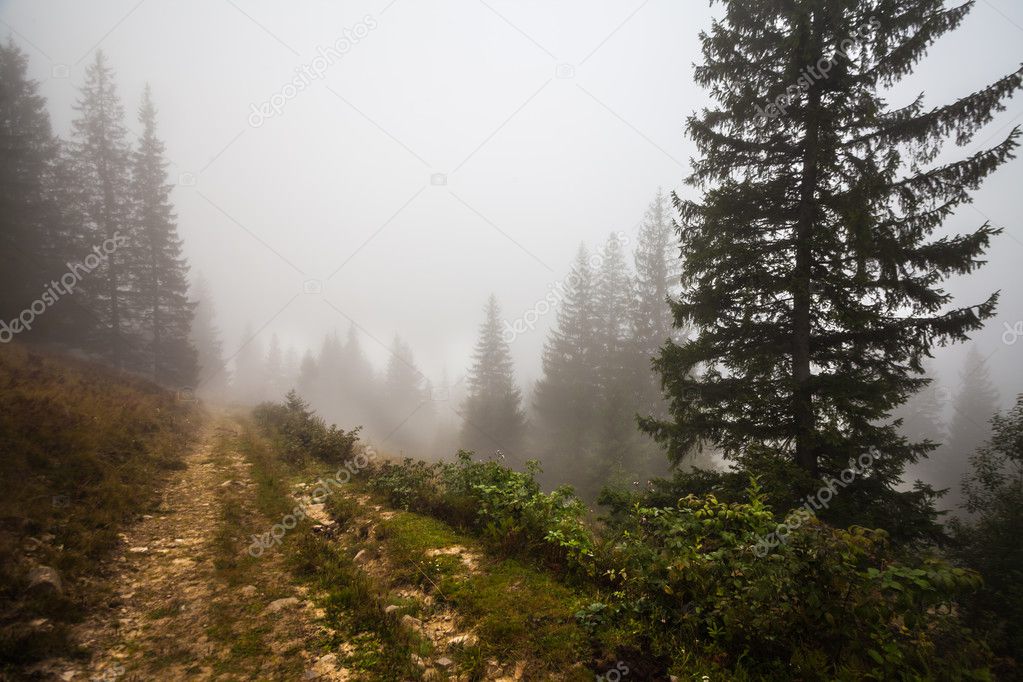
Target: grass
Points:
(366, 639)
(519, 612)
(85, 452)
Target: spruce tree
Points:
(618, 444)
(28, 150)
(159, 277)
(811, 270)
(974, 404)
(403, 394)
(248, 369)
(656, 259)
(564, 397)
(101, 161)
(273, 370)
(213, 378)
(492, 416)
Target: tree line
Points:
(88, 225)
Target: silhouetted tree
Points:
(101, 158)
(492, 417)
(158, 271)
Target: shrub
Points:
(298, 433)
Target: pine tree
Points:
(358, 397)
(160, 276)
(810, 271)
(657, 277)
(273, 370)
(307, 373)
(213, 377)
(492, 416)
(975, 402)
(617, 449)
(403, 394)
(28, 151)
(101, 161)
(563, 397)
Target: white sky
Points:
(534, 163)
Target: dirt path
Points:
(177, 611)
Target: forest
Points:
(747, 430)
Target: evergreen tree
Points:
(101, 161)
(273, 370)
(976, 400)
(618, 445)
(811, 272)
(564, 397)
(28, 151)
(213, 377)
(358, 397)
(492, 417)
(307, 373)
(160, 276)
(403, 395)
(656, 260)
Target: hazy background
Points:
(338, 187)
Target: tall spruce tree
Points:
(159, 277)
(563, 398)
(975, 402)
(811, 272)
(403, 394)
(618, 443)
(492, 416)
(101, 160)
(248, 369)
(28, 151)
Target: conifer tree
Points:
(975, 402)
(159, 277)
(492, 416)
(30, 253)
(273, 370)
(403, 396)
(617, 448)
(101, 160)
(563, 398)
(213, 377)
(811, 270)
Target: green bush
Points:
(298, 433)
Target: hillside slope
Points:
(84, 451)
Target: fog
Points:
(452, 151)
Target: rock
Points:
(411, 622)
(248, 591)
(467, 639)
(391, 609)
(445, 662)
(43, 579)
(520, 670)
(281, 604)
(138, 550)
(361, 556)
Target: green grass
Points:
(520, 613)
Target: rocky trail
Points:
(172, 614)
